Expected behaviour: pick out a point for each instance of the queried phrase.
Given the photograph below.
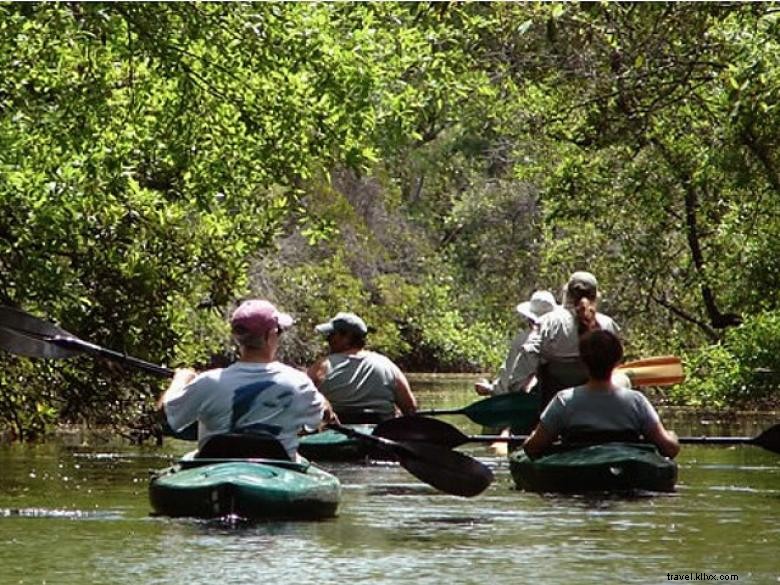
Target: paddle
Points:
(436, 432)
(663, 370)
(23, 334)
(516, 408)
(445, 470)
(449, 471)
(519, 408)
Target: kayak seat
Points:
(242, 446)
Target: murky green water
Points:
(72, 515)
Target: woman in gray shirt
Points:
(600, 407)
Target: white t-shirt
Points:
(248, 397)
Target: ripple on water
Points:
(59, 513)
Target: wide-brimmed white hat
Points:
(541, 303)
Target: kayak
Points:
(249, 488)
(246, 475)
(607, 467)
(330, 445)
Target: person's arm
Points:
(517, 374)
(404, 398)
(538, 442)
(318, 371)
(181, 378)
(551, 423)
(666, 441)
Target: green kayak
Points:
(330, 445)
(246, 475)
(608, 467)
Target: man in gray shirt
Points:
(361, 385)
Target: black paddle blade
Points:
(25, 323)
(18, 343)
(769, 439)
(419, 428)
(449, 471)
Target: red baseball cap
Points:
(258, 317)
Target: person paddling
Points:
(600, 409)
(256, 394)
(361, 385)
(540, 303)
(551, 350)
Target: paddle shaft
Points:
(81, 345)
(724, 440)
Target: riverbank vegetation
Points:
(425, 165)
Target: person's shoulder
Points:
(289, 374)
(555, 318)
(377, 358)
(607, 323)
(208, 376)
(567, 395)
(629, 394)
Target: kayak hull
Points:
(252, 490)
(330, 445)
(608, 467)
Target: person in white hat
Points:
(551, 351)
(361, 385)
(540, 303)
(255, 395)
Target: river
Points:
(80, 515)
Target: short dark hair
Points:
(354, 338)
(601, 351)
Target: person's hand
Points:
(483, 387)
(184, 376)
(329, 416)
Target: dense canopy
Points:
(425, 165)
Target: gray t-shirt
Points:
(580, 409)
(248, 397)
(361, 381)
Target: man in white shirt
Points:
(255, 395)
(540, 303)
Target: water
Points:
(73, 515)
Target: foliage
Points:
(426, 165)
(742, 370)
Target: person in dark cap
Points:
(257, 394)
(551, 351)
(361, 385)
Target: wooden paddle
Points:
(446, 470)
(436, 432)
(663, 370)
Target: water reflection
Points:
(724, 518)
